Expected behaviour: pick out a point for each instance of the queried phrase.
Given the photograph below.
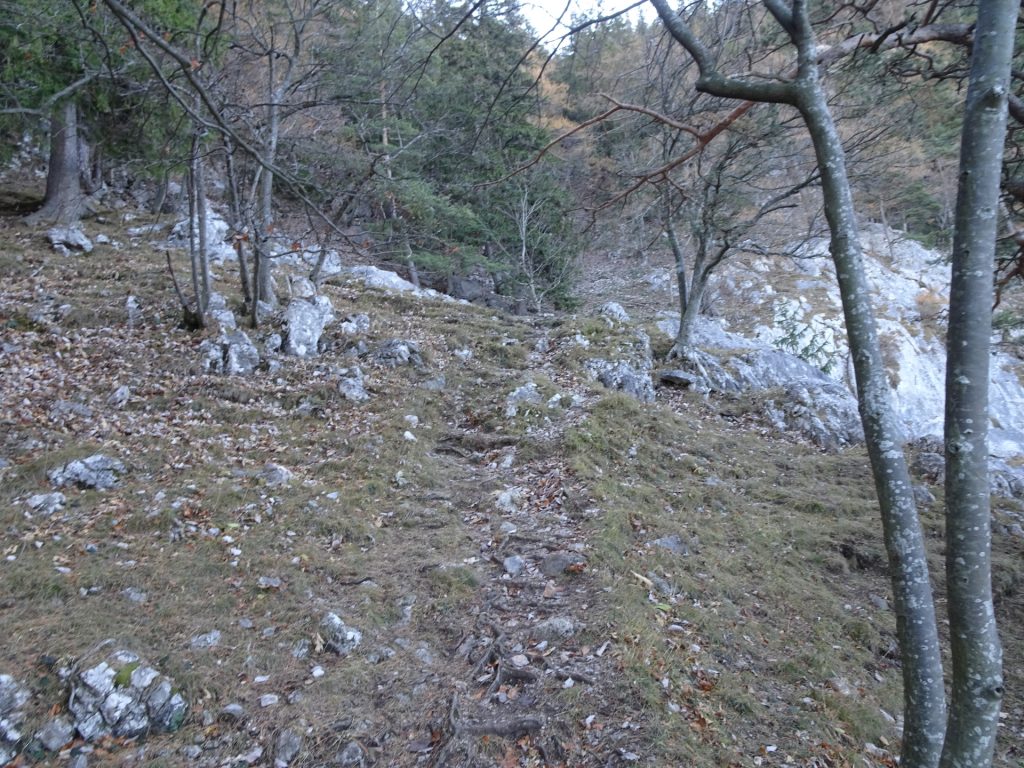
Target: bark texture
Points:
(977, 654)
(64, 201)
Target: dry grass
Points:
(763, 636)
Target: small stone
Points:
(91, 727)
(70, 237)
(317, 671)
(879, 602)
(340, 638)
(508, 500)
(380, 655)
(158, 696)
(555, 628)
(520, 660)
(268, 582)
(207, 640)
(274, 474)
(99, 679)
(233, 711)
(528, 394)
(115, 706)
(409, 437)
(514, 565)
(142, 677)
(134, 595)
(96, 471)
(614, 313)
(56, 733)
(46, 503)
(119, 397)
(352, 756)
(269, 700)
(673, 543)
(301, 649)
(561, 562)
(286, 748)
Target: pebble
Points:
(233, 711)
(555, 628)
(559, 562)
(207, 640)
(514, 565)
(269, 700)
(286, 748)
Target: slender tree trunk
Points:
(688, 319)
(924, 697)
(977, 655)
(265, 281)
(234, 196)
(64, 201)
(678, 257)
(203, 299)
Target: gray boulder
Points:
(56, 733)
(820, 409)
(305, 320)
(396, 352)
(46, 504)
(632, 378)
(286, 748)
(810, 403)
(338, 636)
(355, 324)
(274, 474)
(96, 471)
(120, 694)
(352, 385)
(233, 353)
(13, 696)
(614, 313)
(528, 394)
(302, 287)
(71, 238)
(218, 311)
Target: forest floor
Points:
(579, 580)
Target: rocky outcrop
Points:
(123, 695)
(232, 353)
(96, 471)
(305, 320)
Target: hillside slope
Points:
(490, 560)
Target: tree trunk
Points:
(924, 697)
(236, 219)
(679, 259)
(977, 687)
(688, 319)
(64, 200)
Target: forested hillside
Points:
(394, 383)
